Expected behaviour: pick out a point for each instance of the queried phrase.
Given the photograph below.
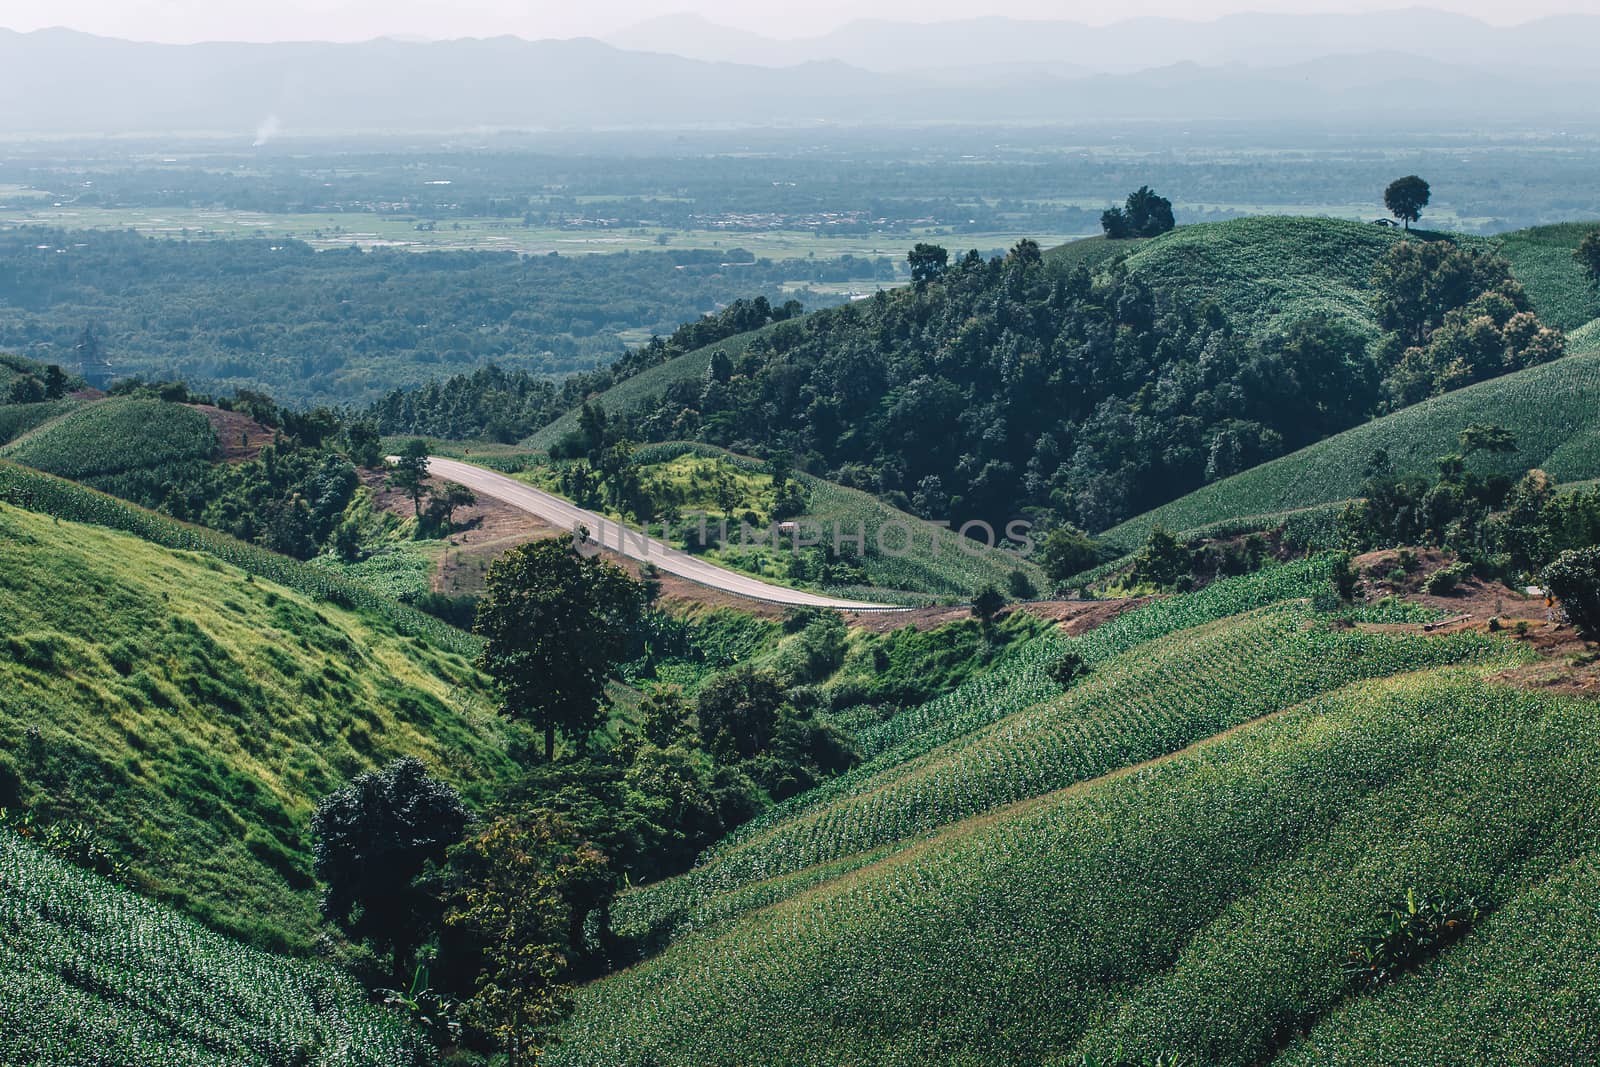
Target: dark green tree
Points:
(1162, 562)
(1406, 197)
(409, 475)
(554, 624)
(1588, 255)
(1574, 579)
(373, 840)
(928, 263)
(739, 713)
(987, 604)
(1068, 551)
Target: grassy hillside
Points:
(1203, 904)
(1166, 676)
(1553, 409)
(649, 384)
(194, 714)
(1541, 259)
(62, 499)
(94, 976)
(122, 445)
(1263, 271)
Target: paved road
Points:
(567, 516)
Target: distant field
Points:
(1554, 410)
(483, 234)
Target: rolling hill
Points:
(1175, 856)
(122, 445)
(193, 714)
(1554, 411)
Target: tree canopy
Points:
(555, 623)
(1406, 197)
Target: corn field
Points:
(94, 976)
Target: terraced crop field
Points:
(1202, 905)
(49, 495)
(117, 436)
(18, 419)
(94, 976)
(1012, 735)
(194, 715)
(1554, 411)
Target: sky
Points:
(182, 21)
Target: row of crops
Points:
(92, 975)
(1204, 905)
(1553, 410)
(1145, 699)
(18, 419)
(115, 437)
(35, 491)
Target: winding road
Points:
(566, 515)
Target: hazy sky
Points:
(191, 20)
(357, 19)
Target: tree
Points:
(1162, 562)
(410, 473)
(1588, 255)
(1145, 214)
(1574, 579)
(1406, 197)
(987, 604)
(55, 382)
(1481, 437)
(445, 500)
(364, 442)
(1069, 551)
(1026, 252)
(928, 263)
(739, 713)
(665, 716)
(525, 881)
(554, 623)
(373, 839)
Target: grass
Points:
(1554, 411)
(1201, 904)
(91, 974)
(194, 715)
(49, 495)
(401, 570)
(1541, 259)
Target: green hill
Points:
(1176, 855)
(649, 385)
(194, 714)
(122, 445)
(1541, 259)
(1554, 411)
(1266, 271)
(91, 974)
(18, 419)
(1168, 675)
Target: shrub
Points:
(1411, 932)
(1445, 580)
(1070, 667)
(1574, 579)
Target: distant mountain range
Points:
(60, 81)
(1134, 44)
